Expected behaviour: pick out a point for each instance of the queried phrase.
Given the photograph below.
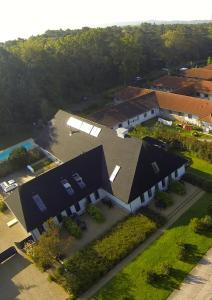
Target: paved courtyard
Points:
(198, 284)
(23, 281)
(9, 235)
(94, 230)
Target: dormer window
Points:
(155, 167)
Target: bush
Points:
(83, 269)
(163, 200)
(3, 206)
(183, 251)
(18, 158)
(34, 155)
(5, 168)
(166, 269)
(209, 210)
(196, 225)
(72, 227)
(152, 277)
(95, 213)
(177, 188)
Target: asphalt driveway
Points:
(23, 281)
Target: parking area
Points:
(94, 230)
(9, 235)
(23, 281)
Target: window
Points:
(142, 198)
(152, 111)
(155, 167)
(120, 125)
(88, 198)
(170, 111)
(40, 229)
(189, 116)
(77, 206)
(176, 173)
(68, 211)
(114, 173)
(67, 186)
(96, 195)
(150, 193)
(180, 114)
(39, 202)
(163, 182)
(59, 218)
(79, 180)
(145, 114)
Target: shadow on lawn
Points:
(120, 288)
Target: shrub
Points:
(88, 265)
(95, 213)
(34, 155)
(3, 206)
(166, 269)
(5, 168)
(163, 200)
(72, 227)
(152, 277)
(202, 224)
(183, 251)
(18, 158)
(177, 188)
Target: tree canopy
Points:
(59, 67)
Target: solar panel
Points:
(95, 131)
(75, 123)
(114, 173)
(39, 202)
(85, 127)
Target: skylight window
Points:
(67, 186)
(114, 173)
(79, 180)
(155, 167)
(39, 202)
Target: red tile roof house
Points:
(184, 86)
(146, 104)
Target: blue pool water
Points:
(28, 144)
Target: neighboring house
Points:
(97, 164)
(184, 86)
(198, 73)
(154, 103)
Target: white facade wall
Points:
(132, 122)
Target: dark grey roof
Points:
(50, 189)
(94, 158)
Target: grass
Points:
(148, 127)
(199, 166)
(130, 282)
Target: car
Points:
(8, 186)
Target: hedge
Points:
(199, 181)
(88, 265)
(72, 227)
(163, 200)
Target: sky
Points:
(24, 18)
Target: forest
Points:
(46, 72)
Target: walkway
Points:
(178, 211)
(198, 284)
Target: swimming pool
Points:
(28, 144)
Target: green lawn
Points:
(130, 282)
(199, 166)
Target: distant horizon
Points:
(26, 18)
(121, 23)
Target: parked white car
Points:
(8, 186)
